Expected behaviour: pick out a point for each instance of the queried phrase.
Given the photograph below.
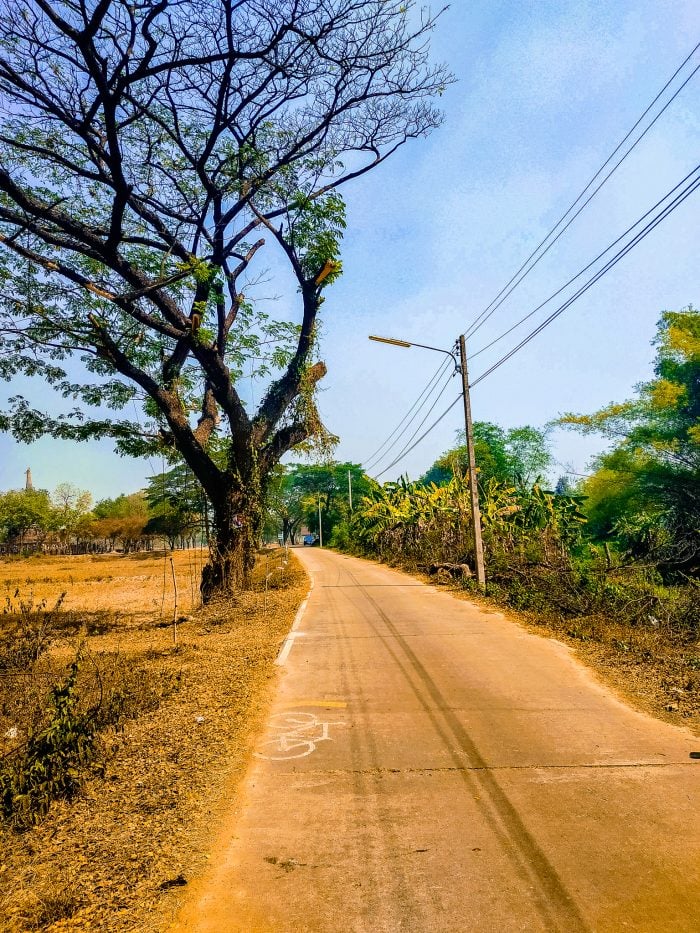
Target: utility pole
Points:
(350, 489)
(473, 489)
(320, 526)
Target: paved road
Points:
(430, 766)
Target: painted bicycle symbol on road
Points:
(294, 735)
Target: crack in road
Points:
(448, 769)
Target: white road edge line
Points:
(289, 640)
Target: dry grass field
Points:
(117, 856)
(132, 587)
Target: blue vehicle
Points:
(310, 540)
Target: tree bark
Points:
(237, 522)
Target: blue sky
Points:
(545, 91)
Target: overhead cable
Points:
(409, 445)
(585, 268)
(654, 222)
(690, 188)
(436, 375)
(435, 423)
(529, 265)
(404, 425)
(420, 425)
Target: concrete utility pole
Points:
(473, 489)
(350, 488)
(460, 367)
(320, 526)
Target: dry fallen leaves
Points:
(116, 857)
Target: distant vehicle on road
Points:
(310, 540)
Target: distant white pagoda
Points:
(28, 484)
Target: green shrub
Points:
(48, 767)
(64, 743)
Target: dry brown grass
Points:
(113, 858)
(135, 587)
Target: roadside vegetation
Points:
(610, 562)
(126, 718)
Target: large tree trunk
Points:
(237, 521)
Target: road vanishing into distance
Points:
(431, 766)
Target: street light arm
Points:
(424, 346)
(391, 340)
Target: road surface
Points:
(431, 766)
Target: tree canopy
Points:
(150, 156)
(515, 456)
(298, 488)
(23, 509)
(646, 488)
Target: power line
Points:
(585, 268)
(374, 456)
(662, 215)
(420, 424)
(409, 446)
(584, 288)
(690, 188)
(435, 423)
(528, 266)
(408, 419)
(512, 284)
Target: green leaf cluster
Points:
(515, 456)
(49, 767)
(645, 490)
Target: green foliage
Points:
(644, 490)
(134, 218)
(284, 505)
(50, 764)
(432, 523)
(71, 507)
(133, 505)
(517, 456)
(176, 504)
(297, 488)
(141, 210)
(22, 510)
(64, 730)
(317, 226)
(538, 558)
(32, 510)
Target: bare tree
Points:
(147, 154)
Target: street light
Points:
(461, 368)
(406, 343)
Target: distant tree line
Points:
(298, 493)
(171, 511)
